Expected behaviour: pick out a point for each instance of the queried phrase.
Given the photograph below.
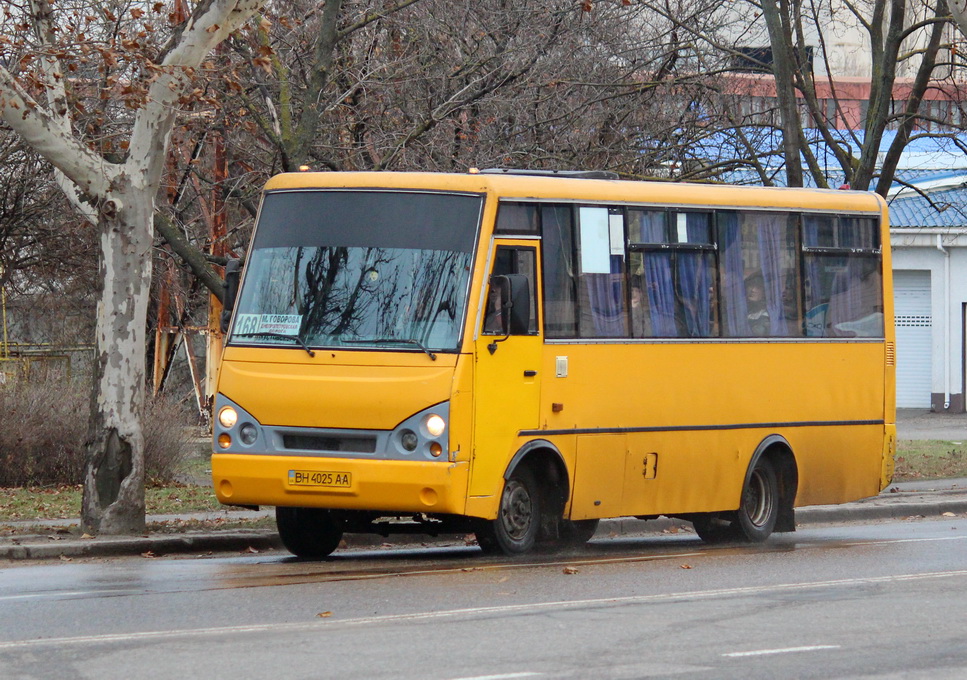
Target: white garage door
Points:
(914, 338)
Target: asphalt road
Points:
(883, 600)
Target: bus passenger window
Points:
(560, 306)
(842, 277)
(759, 264)
(673, 274)
(601, 281)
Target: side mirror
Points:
(508, 306)
(233, 272)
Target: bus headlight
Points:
(424, 435)
(227, 417)
(248, 433)
(435, 425)
(409, 440)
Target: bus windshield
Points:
(361, 269)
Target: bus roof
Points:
(533, 187)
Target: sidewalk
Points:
(922, 424)
(903, 499)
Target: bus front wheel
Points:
(308, 532)
(518, 522)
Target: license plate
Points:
(335, 480)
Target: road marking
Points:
(909, 540)
(534, 607)
(505, 676)
(786, 650)
(70, 594)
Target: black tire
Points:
(756, 517)
(577, 532)
(308, 532)
(712, 528)
(518, 522)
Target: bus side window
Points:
(559, 272)
(511, 307)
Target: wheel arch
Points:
(547, 462)
(778, 451)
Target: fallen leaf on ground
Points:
(148, 555)
(949, 514)
(686, 566)
(250, 549)
(324, 615)
(86, 536)
(65, 558)
(571, 570)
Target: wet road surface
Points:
(835, 601)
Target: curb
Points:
(148, 546)
(156, 545)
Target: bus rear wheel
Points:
(756, 516)
(308, 532)
(518, 522)
(712, 528)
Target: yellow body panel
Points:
(341, 389)
(643, 428)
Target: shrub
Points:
(43, 433)
(45, 426)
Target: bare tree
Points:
(117, 188)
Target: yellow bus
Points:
(520, 354)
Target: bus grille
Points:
(305, 442)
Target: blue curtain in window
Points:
(695, 279)
(816, 298)
(736, 309)
(607, 301)
(694, 284)
(769, 234)
(661, 294)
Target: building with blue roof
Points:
(928, 226)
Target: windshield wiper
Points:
(269, 334)
(406, 341)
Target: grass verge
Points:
(930, 459)
(64, 502)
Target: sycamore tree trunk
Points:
(122, 196)
(114, 476)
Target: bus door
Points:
(508, 357)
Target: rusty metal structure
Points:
(172, 332)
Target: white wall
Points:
(919, 251)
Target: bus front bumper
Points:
(341, 483)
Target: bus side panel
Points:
(837, 464)
(680, 422)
